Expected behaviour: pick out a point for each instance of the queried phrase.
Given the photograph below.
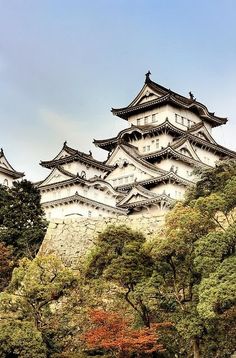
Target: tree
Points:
(195, 260)
(29, 305)
(112, 332)
(21, 218)
(119, 257)
(6, 265)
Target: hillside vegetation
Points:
(173, 296)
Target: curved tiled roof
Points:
(168, 96)
(146, 129)
(165, 177)
(10, 171)
(170, 150)
(157, 199)
(76, 179)
(75, 155)
(79, 198)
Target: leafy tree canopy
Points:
(22, 220)
(28, 306)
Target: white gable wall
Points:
(175, 191)
(89, 192)
(206, 156)
(6, 180)
(182, 169)
(126, 175)
(152, 144)
(77, 167)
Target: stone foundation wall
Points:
(72, 238)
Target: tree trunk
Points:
(196, 348)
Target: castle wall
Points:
(73, 238)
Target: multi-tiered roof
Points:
(189, 137)
(149, 164)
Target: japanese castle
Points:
(149, 164)
(7, 173)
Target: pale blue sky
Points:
(65, 63)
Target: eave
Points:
(158, 199)
(172, 152)
(73, 158)
(76, 198)
(171, 176)
(78, 180)
(197, 140)
(11, 173)
(110, 143)
(175, 99)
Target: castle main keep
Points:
(149, 164)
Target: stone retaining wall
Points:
(72, 238)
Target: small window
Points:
(138, 122)
(157, 143)
(83, 174)
(144, 149)
(5, 182)
(148, 148)
(154, 118)
(146, 120)
(89, 214)
(126, 179)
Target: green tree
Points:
(194, 276)
(119, 257)
(21, 218)
(6, 265)
(29, 305)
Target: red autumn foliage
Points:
(112, 332)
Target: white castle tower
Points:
(7, 173)
(149, 165)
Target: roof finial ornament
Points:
(64, 144)
(148, 77)
(191, 96)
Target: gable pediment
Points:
(203, 134)
(62, 154)
(124, 156)
(137, 194)
(55, 176)
(4, 163)
(146, 94)
(187, 149)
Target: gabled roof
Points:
(68, 155)
(200, 128)
(168, 177)
(160, 95)
(81, 199)
(158, 198)
(138, 193)
(71, 179)
(56, 171)
(6, 168)
(134, 155)
(204, 143)
(110, 143)
(170, 151)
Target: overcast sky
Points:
(65, 63)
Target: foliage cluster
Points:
(174, 296)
